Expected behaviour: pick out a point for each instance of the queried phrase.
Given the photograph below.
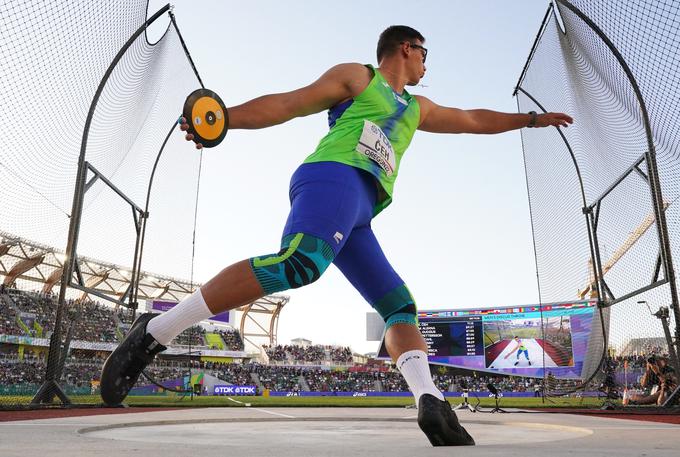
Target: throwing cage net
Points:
(604, 192)
(90, 100)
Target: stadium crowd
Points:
(233, 373)
(342, 381)
(193, 336)
(278, 378)
(308, 354)
(232, 339)
(291, 367)
(82, 372)
(82, 369)
(87, 320)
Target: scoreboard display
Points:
(526, 340)
(459, 336)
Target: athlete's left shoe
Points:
(440, 424)
(123, 367)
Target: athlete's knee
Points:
(397, 307)
(301, 261)
(405, 315)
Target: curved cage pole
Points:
(50, 387)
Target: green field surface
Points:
(306, 402)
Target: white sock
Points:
(183, 315)
(416, 371)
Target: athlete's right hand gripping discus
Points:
(206, 117)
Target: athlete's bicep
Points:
(441, 119)
(327, 91)
(335, 85)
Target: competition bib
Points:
(374, 144)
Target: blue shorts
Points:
(334, 202)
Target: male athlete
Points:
(334, 195)
(520, 348)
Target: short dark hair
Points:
(392, 36)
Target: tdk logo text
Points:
(235, 390)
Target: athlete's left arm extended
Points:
(441, 119)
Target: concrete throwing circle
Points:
(288, 436)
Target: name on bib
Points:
(375, 145)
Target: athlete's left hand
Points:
(184, 126)
(554, 120)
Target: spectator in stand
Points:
(232, 339)
(660, 379)
(193, 336)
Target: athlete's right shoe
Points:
(123, 367)
(440, 424)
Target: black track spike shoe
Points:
(440, 424)
(123, 367)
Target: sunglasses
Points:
(417, 46)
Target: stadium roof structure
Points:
(22, 259)
(32, 262)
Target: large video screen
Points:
(526, 340)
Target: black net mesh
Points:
(53, 57)
(601, 162)
(136, 109)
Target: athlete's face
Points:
(417, 54)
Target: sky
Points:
(458, 232)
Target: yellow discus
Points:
(207, 117)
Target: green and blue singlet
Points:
(335, 194)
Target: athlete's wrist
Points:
(532, 119)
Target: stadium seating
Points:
(89, 321)
(315, 354)
(291, 368)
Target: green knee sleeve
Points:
(301, 261)
(397, 307)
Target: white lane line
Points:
(239, 402)
(272, 412)
(410, 417)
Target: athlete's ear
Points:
(405, 48)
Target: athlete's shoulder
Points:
(425, 105)
(351, 71)
(423, 101)
(354, 76)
